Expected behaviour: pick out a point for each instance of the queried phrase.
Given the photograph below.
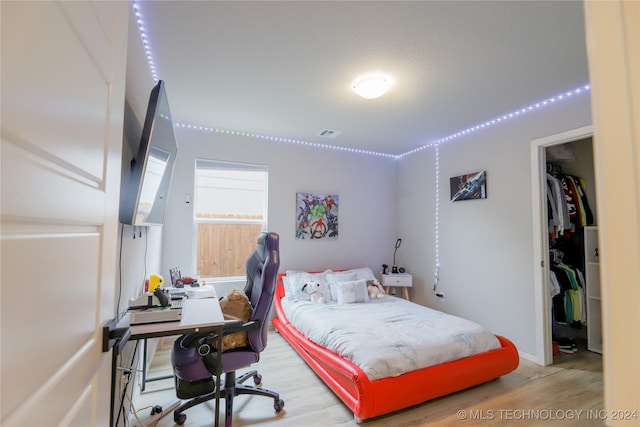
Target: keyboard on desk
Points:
(176, 293)
(176, 304)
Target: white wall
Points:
(486, 247)
(139, 248)
(365, 184)
(140, 255)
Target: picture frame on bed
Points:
(468, 186)
(317, 216)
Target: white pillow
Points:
(286, 282)
(364, 273)
(352, 291)
(297, 280)
(335, 278)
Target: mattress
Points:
(390, 336)
(369, 398)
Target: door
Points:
(544, 350)
(63, 81)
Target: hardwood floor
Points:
(568, 393)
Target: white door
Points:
(63, 81)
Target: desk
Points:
(198, 315)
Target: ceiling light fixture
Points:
(372, 86)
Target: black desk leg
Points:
(114, 360)
(144, 364)
(218, 374)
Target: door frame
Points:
(544, 348)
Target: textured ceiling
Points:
(285, 69)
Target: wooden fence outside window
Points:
(223, 249)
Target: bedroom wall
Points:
(139, 247)
(486, 246)
(365, 184)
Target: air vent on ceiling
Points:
(328, 133)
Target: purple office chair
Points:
(194, 359)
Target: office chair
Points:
(194, 356)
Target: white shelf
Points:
(592, 278)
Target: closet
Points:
(571, 203)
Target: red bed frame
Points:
(368, 399)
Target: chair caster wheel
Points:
(278, 405)
(179, 418)
(257, 379)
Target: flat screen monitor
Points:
(145, 196)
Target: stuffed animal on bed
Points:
(313, 289)
(374, 289)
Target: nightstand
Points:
(398, 280)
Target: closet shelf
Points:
(594, 313)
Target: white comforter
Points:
(390, 336)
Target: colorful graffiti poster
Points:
(317, 216)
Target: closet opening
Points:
(566, 276)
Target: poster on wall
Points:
(316, 216)
(469, 186)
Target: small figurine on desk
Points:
(155, 280)
(385, 269)
(190, 281)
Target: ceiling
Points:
(286, 68)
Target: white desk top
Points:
(201, 312)
(196, 314)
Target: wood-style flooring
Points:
(567, 393)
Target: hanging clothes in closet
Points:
(568, 214)
(567, 205)
(568, 302)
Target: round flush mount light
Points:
(372, 86)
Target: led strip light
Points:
(145, 40)
(516, 113)
(435, 144)
(544, 103)
(283, 140)
(437, 220)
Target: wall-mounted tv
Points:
(145, 195)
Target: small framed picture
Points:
(175, 275)
(469, 186)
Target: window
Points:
(230, 212)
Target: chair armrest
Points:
(230, 327)
(233, 326)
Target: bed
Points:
(370, 380)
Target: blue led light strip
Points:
(544, 103)
(145, 40)
(436, 237)
(283, 140)
(549, 101)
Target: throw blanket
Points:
(390, 336)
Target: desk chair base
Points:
(231, 388)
